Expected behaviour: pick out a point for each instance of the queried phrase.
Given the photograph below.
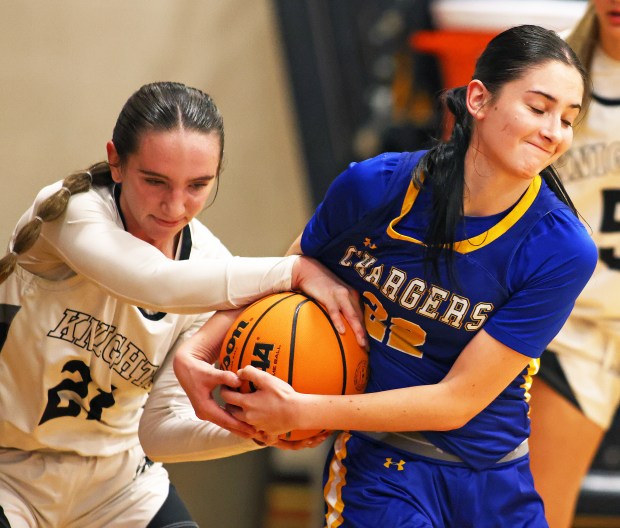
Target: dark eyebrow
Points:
(147, 172)
(551, 98)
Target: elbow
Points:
(449, 424)
(147, 447)
(147, 436)
(456, 422)
(455, 418)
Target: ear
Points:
(477, 98)
(114, 161)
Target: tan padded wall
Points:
(67, 66)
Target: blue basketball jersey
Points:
(516, 274)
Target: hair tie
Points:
(14, 253)
(90, 175)
(38, 218)
(66, 190)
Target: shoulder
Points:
(96, 202)
(81, 206)
(361, 189)
(367, 182)
(558, 244)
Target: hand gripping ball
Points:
(292, 337)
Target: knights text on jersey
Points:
(76, 358)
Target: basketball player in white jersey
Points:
(105, 273)
(576, 396)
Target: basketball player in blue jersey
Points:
(468, 259)
(107, 271)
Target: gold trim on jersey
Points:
(481, 240)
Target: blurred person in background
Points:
(575, 398)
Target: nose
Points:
(173, 204)
(552, 129)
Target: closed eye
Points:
(154, 181)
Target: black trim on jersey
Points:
(186, 249)
(117, 199)
(7, 313)
(4, 522)
(186, 244)
(604, 101)
(551, 372)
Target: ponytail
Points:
(443, 167)
(50, 209)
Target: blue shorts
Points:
(373, 485)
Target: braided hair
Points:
(160, 106)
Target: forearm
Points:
(170, 431)
(168, 437)
(428, 407)
(91, 241)
(478, 376)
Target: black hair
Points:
(508, 57)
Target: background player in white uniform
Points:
(577, 393)
(468, 258)
(96, 291)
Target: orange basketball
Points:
(292, 337)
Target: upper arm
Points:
(547, 275)
(90, 240)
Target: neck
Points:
(610, 44)
(489, 191)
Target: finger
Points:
(257, 377)
(231, 396)
(347, 305)
(226, 378)
(219, 416)
(236, 412)
(294, 445)
(265, 439)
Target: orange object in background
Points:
(457, 52)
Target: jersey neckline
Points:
(478, 241)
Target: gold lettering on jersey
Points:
(101, 339)
(393, 283)
(414, 294)
(436, 296)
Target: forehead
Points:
(162, 143)
(559, 81)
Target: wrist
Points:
(307, 412)
(296, 272)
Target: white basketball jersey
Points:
(591, 174)
(78, 351)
